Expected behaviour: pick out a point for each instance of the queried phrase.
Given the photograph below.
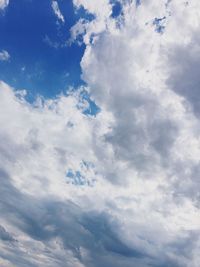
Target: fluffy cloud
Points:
(120, 188)
(57, 11)
(4, 55)
(4, 4)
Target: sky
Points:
(99, 133)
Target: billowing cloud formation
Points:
(4, 4)
(4, 55)
(57, 11)
(120, 188)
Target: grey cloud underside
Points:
(185, 72)
(4, 235)
(67, 222)
(74, 230)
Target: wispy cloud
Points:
(51, 43)
(4, 4)
(57, 11)
(4, 55)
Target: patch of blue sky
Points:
(80, 177)
(76, 178)
(85, 103)
(92, 108)
(41, 61)
(81, 12)
(159, 24)
(117, 13)
(116, 9)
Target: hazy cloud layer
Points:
(120, 188)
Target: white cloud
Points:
(4, 4)
(130, 72)
(57, 11)
(131, 196)
(4, 55)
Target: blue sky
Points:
(27, 31)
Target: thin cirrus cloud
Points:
(120, 188)
(4, 55)
(57, 11)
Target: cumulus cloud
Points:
(57, 11)
(4, 4)
(120, 188)
(4, 55)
